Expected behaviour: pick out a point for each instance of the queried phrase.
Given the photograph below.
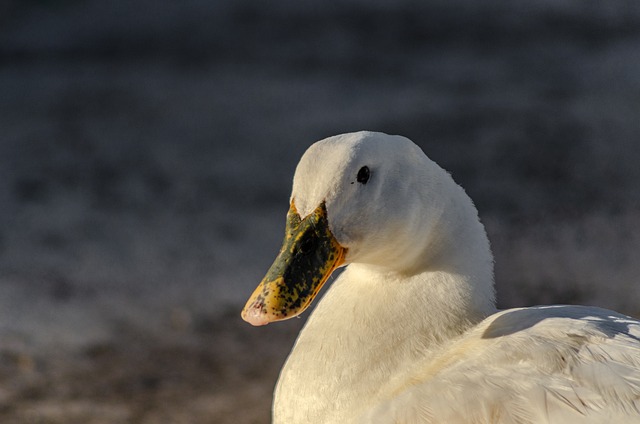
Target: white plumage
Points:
(409, 333)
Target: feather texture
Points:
(409, 333)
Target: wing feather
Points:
(561, 364)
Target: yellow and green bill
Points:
(309, 254)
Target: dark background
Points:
(147, 150)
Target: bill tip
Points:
(255, 315)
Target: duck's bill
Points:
(308, 256)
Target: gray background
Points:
(147, 150)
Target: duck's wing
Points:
(559, 364)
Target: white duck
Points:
(409, 332)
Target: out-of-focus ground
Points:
(147, 149)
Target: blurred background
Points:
(147, 150)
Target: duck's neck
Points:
(375, 323)
(367, 329)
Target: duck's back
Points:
(554, 364)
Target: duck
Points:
(409, 331)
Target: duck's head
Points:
(362, 197)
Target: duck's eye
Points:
(363, 175)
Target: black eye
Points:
(363, 175)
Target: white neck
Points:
(375, 321)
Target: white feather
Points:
(409, 332)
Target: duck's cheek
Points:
(356, 250)
(350, 241)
